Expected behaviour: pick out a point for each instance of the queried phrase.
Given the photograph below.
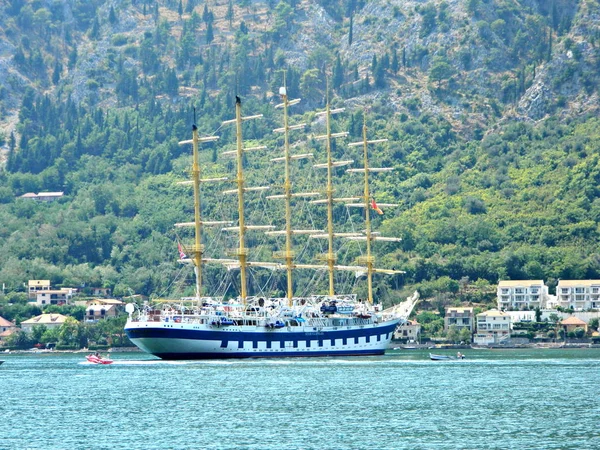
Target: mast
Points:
(242, 251)
(329, 193)
(288, 254)
(197, 250)
(330, 257)
(367, 203)
(367, 196)
(287, 188)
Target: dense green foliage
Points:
(516, 200)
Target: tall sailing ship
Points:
(253, 326)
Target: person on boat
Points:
(459, 355)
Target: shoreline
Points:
(544, 345)
(46, 351)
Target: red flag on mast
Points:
(375, 207)
(182, 254)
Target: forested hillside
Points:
(490, 108)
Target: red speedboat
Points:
(98, 360)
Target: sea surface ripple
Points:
(495, 399)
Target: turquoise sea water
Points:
(495, 399)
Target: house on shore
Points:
(100, 292)
(493, 327)
(102, 308)
(580, 295)
(408, 331)
(6, 328)
(60, 296)
(459, 317)
(36, 286)
(521, 294)
(571, 323)
(48, 320)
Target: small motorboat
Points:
(98, 359)
(434, 357)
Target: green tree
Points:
(440, 70)
(112, 16)
(20, 340)
(311, 85)
(453, 334)
(465, 335)
(72, 334)
(37, 332)
(209, 33)
(229, 15)
(284, 17)
(338, 73)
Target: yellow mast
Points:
(242, 250)
(369, 260)
(288, 254)
(287, 186)
(197, 250)
(329, 193)
(367, 196)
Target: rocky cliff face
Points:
(473, 61)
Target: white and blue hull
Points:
(169, 340)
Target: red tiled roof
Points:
(572, 320)
(6, 323)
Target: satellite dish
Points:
(129, 307)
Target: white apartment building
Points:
(580, 295)
(61, 296)
(521, 294)
(493, 327)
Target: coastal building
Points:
(408, 331)
(493, 327)
(521, 294)
(460, 318)
(48, 320)
(521, 316)
(579, 295)
(43, 196)
(6, 328)
(571, 323)
(102, 308)
(61, 296)
(100, 292)
(35, 286)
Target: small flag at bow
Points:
(182, 254)
(375, 207)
